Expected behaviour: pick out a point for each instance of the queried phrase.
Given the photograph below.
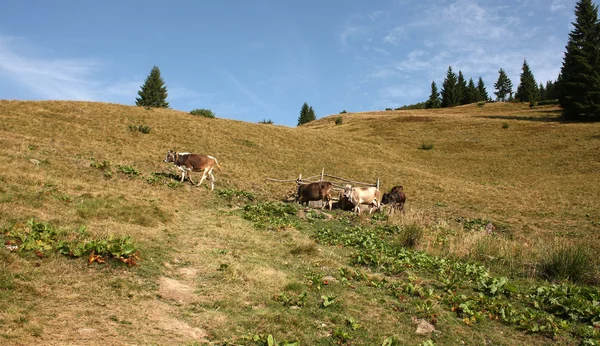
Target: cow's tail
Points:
(218, 165)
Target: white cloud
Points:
(395, 36)
(62, 78)
(557, 5)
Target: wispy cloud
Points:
(257, 100)
(557, 5)
(395, 36)
(62, 78)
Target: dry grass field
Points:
(209, 273)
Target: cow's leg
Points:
(182, 173)
(190, 176)
(203, 176)
(211, 177)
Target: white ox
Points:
(363, 195)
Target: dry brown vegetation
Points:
(206, 275)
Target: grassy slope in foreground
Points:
(538, 178)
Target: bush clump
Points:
(338, 120)
(207, 113)
(565, 262)
(426, 146)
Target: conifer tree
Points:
(551, 92)
(472, 93)
(527, 88)
(503, 86)
(579, 80)
(541, 92)
(311, 114)
(154, 92)
(450, 96)
(482, 92)
(461, 85)
(307, 114)
(434, 98)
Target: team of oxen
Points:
(351, 198)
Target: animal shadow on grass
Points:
(167, 175)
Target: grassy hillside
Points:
(211, 271)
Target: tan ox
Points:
(189, 163)
(363, 195)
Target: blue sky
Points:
(262, 59)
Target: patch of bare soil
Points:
(175, 290)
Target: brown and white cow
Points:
(363, 195)
(320, 191)
(395, 198)
(188, 162)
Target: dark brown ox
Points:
(320, 191)
(395, 198)
(189, 163)
(363, 195)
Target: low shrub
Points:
(338, 120)
(343, 112)
(426, 146)
(411, 235)
(481, 103)
(505, 125)
(145, 129)
(564, 262)
(207, 113)
(265, 121)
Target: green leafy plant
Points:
(231, 194)
(207, 113)
(128, 170)
(104, 165)
(327, 300)
(42, 238)
(272, 216)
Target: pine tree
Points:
(472, 93)
(461, 85)
(153, 93)
(503, 86)
(579, 87)
(311, 114)
(541, 92)
(450, 96)
(306, 114)
(527, 88)
(483, 95)
(551, 92)
(434, 99)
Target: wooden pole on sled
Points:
(322, 173)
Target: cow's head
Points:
(171, 156)
(347, 190)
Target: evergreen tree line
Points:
(457, 91)
(577, 87)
